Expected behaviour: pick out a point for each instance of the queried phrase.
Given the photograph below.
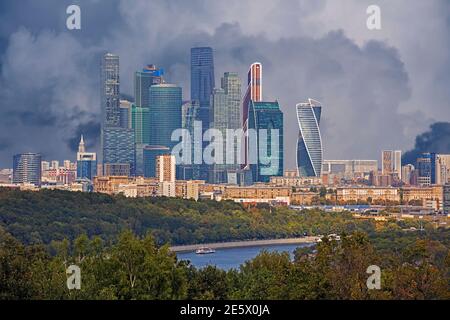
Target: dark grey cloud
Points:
(436, 139)
(373, 91)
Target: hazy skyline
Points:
(378, 89)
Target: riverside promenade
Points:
(243, 244)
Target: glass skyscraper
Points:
(202, 78)
(165, 113)
(189, 171)
(252, 93)
(165, 101)
(143, 80)
(119, 149)
(265, 117)
(140, 122)
(118, 141)
(225, 114)
(110, 94)
(27, 168)
(309, 144)
(202, 85)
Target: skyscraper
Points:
(266, 120)
(426, 169)
(27, 168)
(190, 114)
(110, 94)
(125, 114)
(202, 79)
(118, 151)
(86, 162)
(118, 144)
(165, 113)
(253, 93)
(140, 123)
(165, 102)
(391, 163)
(225, 114)
(309, 144)
(143, 80)
(202, 85)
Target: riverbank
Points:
(244, 244)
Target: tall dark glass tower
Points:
(143, 80)
(110, 94)
(309, 144)
(263, 118)
(118, 143)
(202, 85)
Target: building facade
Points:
(166, 175)
(391, 164)
(143, 80)
(252, 93)
(86, 162)
(309, 144)
(110, 95)
(27, 169)
(349, 169)
(225, 115)
(266, 148)
(118, 150)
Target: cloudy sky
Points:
(379, 89)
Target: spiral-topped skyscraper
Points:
(309, 144)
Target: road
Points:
(243, 244)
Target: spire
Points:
(81, 147)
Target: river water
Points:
(232, 258)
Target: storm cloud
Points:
(379, 89)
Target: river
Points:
(232, 258)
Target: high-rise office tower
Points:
(190, 114)
(165, 173)
(266, 121)
(125, 114)
(110, 94)
(165, 113)
(202, 80)
(118, 141)
(86, 162)
(119, 154)
(143, 80)
(391, 163)
(309, 144)
(202, 85)
(165, 102)
(253, 93)
(225, 114)
(27, 168)
(140, 123)
(425, 166)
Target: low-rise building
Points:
(427, 196)
(369, 194)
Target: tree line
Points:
(137, 268)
